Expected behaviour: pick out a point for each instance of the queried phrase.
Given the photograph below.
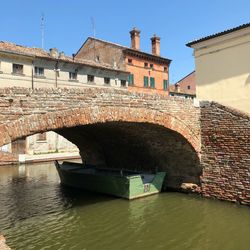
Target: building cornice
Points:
(147, 56)
(192, 44)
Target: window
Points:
(165, 69)
(106, 80)
(72, 75)
(39, 71)
(188, 87)
(165, 84)
(152, 82)
(131, 79)
(91, 78)
(151, 65)
(145, 65)
(17, 69)
(41, 137)
(130, 61)
(145, 82)
(123, 83)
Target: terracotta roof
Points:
(127, 49)
(243, 26)
(9, 47)
(22, 50)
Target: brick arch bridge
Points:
(202, 144)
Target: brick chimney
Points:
(54, 53)
(135, 38)
(155, 45)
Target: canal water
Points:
(37, 213)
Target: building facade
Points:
(22, 66)
(148, 72)
(35, 68)
(222, 62)
(185, 88)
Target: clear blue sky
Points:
(68, 24)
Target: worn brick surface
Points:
(146, 130)
(8, 158)
(225, 155)
(25, 111)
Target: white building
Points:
(222, 65)
(22, 66)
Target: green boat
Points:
(121, 183)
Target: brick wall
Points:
(8, 158)
(225, 137)
(146, 130)
(111, 127)
(103, 52)
(25, 111)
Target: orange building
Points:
(148, 72)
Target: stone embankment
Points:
(3, 245)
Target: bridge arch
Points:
(37, 123)
(141, 138)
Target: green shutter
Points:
(131, 79)
(165, 84)
(145, 81)
(152, 82)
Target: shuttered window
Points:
(165, 84)
(145, 81)
(131, 79)
(152, 82)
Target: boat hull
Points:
(109, 182)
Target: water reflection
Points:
(36, 212)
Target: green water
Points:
(37, 213)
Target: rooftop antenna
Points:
(42, 29)
(93, 28)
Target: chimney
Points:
(155, 45)
(135, 38)
(54, 52)
(177, 87)
(62, 55)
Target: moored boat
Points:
(121, 183)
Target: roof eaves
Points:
(70, 60)
(148, 55)
(246, 25)
(185, 76)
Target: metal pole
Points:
(32, 75)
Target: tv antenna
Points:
(93, 26)
(42, 29)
